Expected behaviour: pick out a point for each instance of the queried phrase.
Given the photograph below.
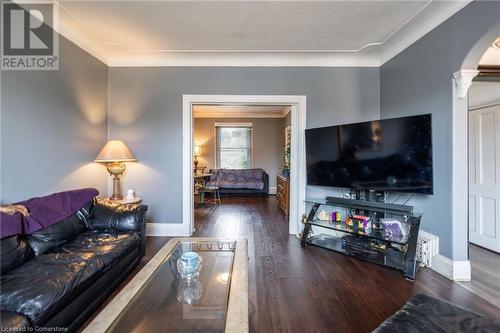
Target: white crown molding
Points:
(246, 59)
(463, 81)
(428, 19)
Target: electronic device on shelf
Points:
(383, 155)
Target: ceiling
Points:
(249, 33)
(240, 111)
(492, 55)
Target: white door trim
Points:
(297, 166)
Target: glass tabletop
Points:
(169, 303)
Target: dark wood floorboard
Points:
(485, 274)
(296, 289)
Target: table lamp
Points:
(113, 154)
(197, 152)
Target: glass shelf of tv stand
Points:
(365, 232)
(404, 217)
(358, 204)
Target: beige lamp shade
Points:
(197, 150)
(115, 151)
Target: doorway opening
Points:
(240, 152)
(484, 188)
(478, 110)
(234, 146)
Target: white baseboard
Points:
(443, 266)
(272, 190)
(461, 270)
(453, 270)
(166, 229)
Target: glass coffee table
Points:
(159, 299)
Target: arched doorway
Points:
(461, 82)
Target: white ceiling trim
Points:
(248, 59)
(430, 15)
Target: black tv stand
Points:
(380, 246)
(371, 204)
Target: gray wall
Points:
(145, 110)
(418, 81)
(268, 140)
(53, 124)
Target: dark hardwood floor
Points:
(485, 273)
(296, 289)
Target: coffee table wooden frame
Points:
(237, 310)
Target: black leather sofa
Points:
(56, 277)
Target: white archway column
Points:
(462, 81)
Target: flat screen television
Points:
(382, 155)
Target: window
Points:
(233, 146)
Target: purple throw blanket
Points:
(45, 211)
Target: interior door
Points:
(484, 177)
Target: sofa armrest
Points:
(121, 218)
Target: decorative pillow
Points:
(121, 217)
(44, 240)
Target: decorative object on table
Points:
(196, 153)
(361, 221)
(348, 221)
(336, 216)
(189, 265)
(114, 154)
(130, 194)
(394, 229)
(324, 216)
(189, 290)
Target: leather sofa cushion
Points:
(44, 284)
(424, 313)
(15, 251)
(108, 246)
(119, 219)
(51, 237)
(13, 322)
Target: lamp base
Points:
(115, 170)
